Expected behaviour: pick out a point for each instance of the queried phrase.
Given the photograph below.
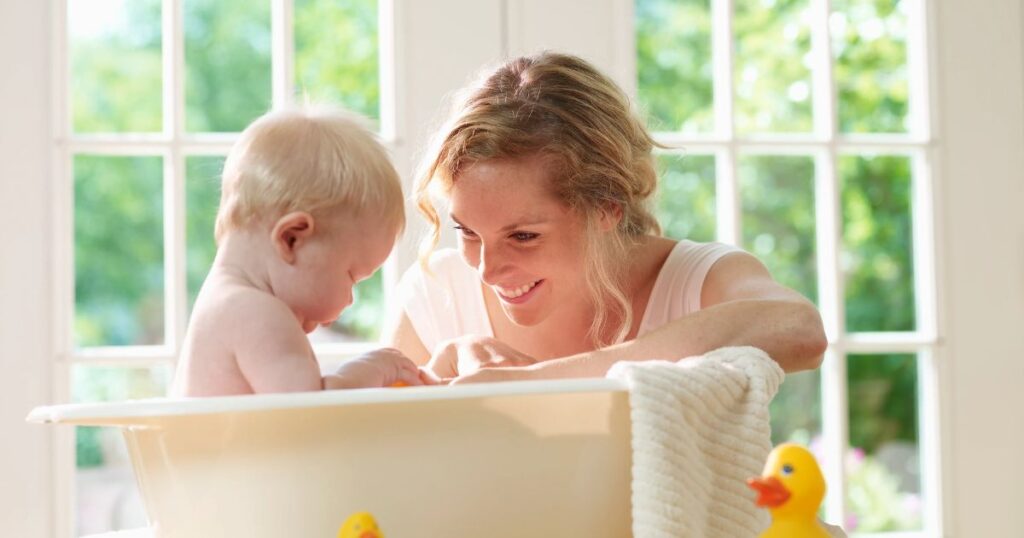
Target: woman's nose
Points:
(492, 261)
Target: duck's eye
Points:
(787, 469)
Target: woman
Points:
(561, 269)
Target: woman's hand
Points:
(470, 354)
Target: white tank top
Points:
(449, 303)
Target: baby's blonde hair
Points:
(314, 159)
(599, 154)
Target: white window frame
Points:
(174, 145)
(825, 144)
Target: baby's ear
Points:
(291, 232)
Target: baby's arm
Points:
(378, 368)
(270, 347)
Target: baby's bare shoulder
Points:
(231, 307)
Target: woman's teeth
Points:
(516, 292)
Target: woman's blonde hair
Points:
(315, 159)
(562, 108)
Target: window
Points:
(799, 130)
(150, 95)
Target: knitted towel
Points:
(700, 429)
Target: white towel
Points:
(700, 429)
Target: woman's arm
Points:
(742, 306)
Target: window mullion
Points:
(919, 106)
(929, 369)
(822, 76)
(282, 52)
(727, 197)
(835, 434)
(829, 239)
(387, 74)
(175, 311)
(929, 383)
(835, 416)
(722, 59)
(835, 405)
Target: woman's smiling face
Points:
(526, 245)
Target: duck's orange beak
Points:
(770, 491)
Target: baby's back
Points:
(208, 365)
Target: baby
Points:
(310, 205)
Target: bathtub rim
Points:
(105, 412)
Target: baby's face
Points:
(348, 251)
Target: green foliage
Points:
(116, 73)
(336, 53)
(878, 262)
(227, 63)
(875, 500)
(88, 447)
(202, 198)
(883, 399)
(673, 44)
(686, 197)
(362, 320)
(796, 409)
(119, 273)
(772, 80)
(777, 195)
(869, 41)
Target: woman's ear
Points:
(291, 232)
(610, 217)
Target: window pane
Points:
(686, 197)
(673, 44)
(337, 59)
(115, 63)
(777, 194)
(107, 495)
(878, 262)
(869, 41)
(227, 63)
(202, 198)
(362, 320)
(796, 409)
(119, 258)
(883, 468)
(772, 78)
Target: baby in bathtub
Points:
(310, 205)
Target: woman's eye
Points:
(523, 237)
(466, 232)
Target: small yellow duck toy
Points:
(360, 525)
(792, 488)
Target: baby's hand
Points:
(379, 368)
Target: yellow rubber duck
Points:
(792, 488)
(360, 525)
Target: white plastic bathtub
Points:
(512, 460)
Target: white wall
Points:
(25, 358)
(981, 107)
